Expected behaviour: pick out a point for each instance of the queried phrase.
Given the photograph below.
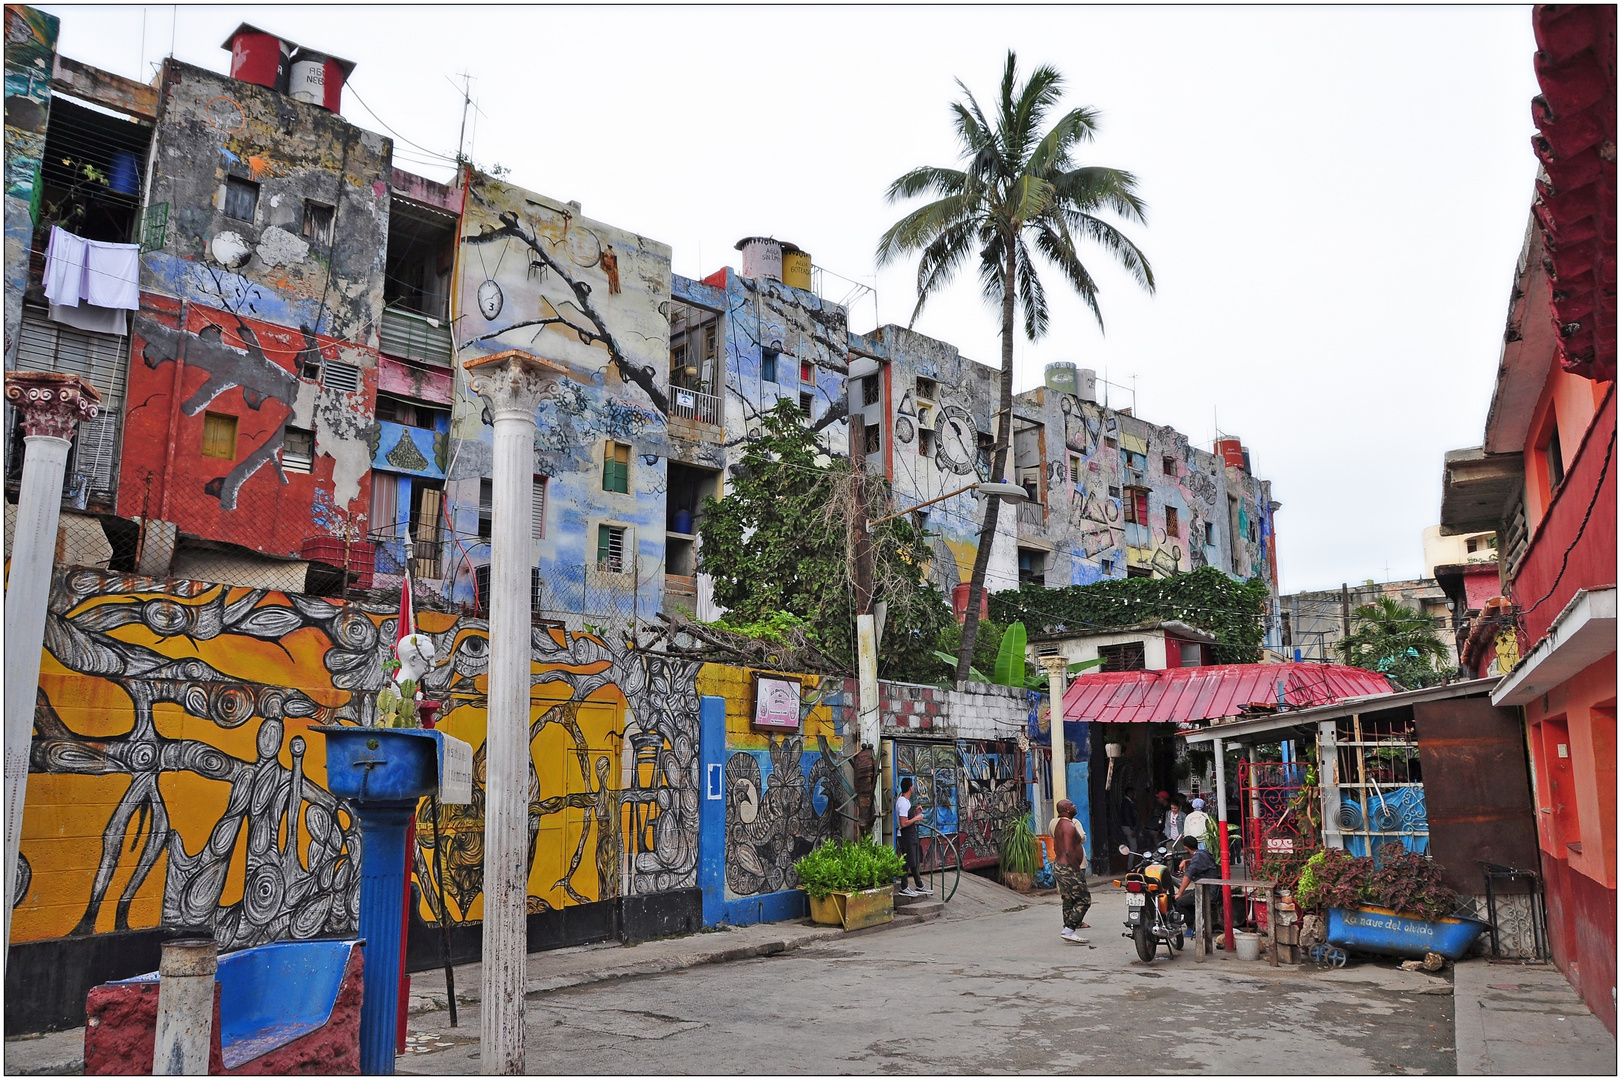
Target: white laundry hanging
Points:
(64, 268)
(92, 271)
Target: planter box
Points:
(1390, 933)
(855, 910)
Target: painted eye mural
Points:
(490, 299)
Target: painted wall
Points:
(254, 371)
(211, 127)
(30, 55)
(601, 305)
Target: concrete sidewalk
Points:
(1519, 1019)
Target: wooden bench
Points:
(1204, 893)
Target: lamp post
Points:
(866, 626)
(50, 407)
(515, 382)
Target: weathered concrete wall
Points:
(213, 127)
(600, 305)
(30, 54)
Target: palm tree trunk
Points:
(1004, 439)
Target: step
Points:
(924, 909)
(909, 901)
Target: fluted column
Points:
(1055, 691)
(50, 408)
(514, 383)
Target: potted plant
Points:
(1393, 905)
(850, 883)
(1017, 848)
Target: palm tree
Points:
(1019, 189)
(1393, 639)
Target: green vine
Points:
(1207, 599)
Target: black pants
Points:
(912, 853)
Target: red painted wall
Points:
(1481, 584)
(254, 367)
(1592, 560)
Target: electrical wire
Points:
(447, 159)
(1564, 562)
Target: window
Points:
(920, 522)
(1139, 571)
(1128, 656)
(318, 223)
(400, 411)
(768, 365)
(241, 198)
(1111, 442)
(1192, 654)
(486, 508)
(1556, 460)
(987, 445)
(1114, 492)
(678, 360)
(1075, 468)
(709, 341)
(874, 443)
(537, 591)
(345, 378)
(611, 549)
(385, 504)
(219, 436)
(806, 400)
(481, 585)
(926, 389)
(616, 468)
(869, 391)
(925, 442)
(1210, 534)
(1030, 480)
(298, 450)
(807, 371)
(537, 510)
(1135, 506)
(1173, 527)
(1169, 465)
(1032, 567)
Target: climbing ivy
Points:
(1233, 611)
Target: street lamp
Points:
(866, 626)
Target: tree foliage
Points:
(1393, 639)
(1019, 192)
(779, 544)
(1206, 598)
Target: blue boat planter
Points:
(1383, 932)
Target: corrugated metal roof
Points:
(1187, 695)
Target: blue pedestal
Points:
(384, 771)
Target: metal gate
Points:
(1282, 816)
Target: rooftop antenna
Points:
(467, 101)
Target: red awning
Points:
(1186, 695)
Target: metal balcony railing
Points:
(695, 405)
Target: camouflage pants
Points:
(1073, 891)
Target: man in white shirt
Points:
(906, 820)
(1197, 822)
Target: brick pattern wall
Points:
(979, 711)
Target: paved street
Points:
(990, 990)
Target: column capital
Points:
(1054, 665)
(516, 382)
(51, 403)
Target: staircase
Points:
(916, 909)
(944, 872)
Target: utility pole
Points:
(467, 101)
(1345, 613)
(515, 382)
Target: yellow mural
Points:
(177, 781)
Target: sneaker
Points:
(928, 890)
(910, 892)
(1066, 933)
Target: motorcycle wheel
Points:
(1178, 939)
(1146, 947)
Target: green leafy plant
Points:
(1398, 879)
(1205, 598)
(1010, 661)
(1393, 639)
(1017, 847)
(842, 866)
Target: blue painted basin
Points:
(1389, 933)
(380, 764)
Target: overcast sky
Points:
(1336, 195)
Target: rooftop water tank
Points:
(796, 267)
(1061, 377)
(772, 259)
(258, 57)
(316, 78)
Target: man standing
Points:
(907, 820)
(1128, 817)
(1069, 870)
(1198, 822)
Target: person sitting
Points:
(1199, 865)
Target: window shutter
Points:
(537, 524)
(44, 345)
(95, 453)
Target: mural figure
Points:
(771, 821)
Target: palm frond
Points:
(1031, 294)
(1098, 188)
(1041, 91)
(1117, 244)
(926, 179)
(1052, 153)
(919, 228)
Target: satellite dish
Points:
(490, 299)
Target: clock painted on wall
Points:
(956, 440)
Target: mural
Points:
(774, 818)
(178, 782)
(970, 789)
(260, 379)
(30, 50)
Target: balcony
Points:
(695, 405)
(405, 335)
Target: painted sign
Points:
(715, 788)
(776, 703)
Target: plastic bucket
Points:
(1248, 945)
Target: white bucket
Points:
(1248, 945)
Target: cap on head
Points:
(1198, 804)
(1163, 795)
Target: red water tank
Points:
(959, 602)
(258, 57)
(317, 79)
(1231, 451)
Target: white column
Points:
(1055, 690)
(868, 716)
(514, 383)
(51, 406)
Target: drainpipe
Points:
(174, 412)
(50, 407)
(515, 384)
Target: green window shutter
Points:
(603, 534)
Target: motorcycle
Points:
(1152, 916)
